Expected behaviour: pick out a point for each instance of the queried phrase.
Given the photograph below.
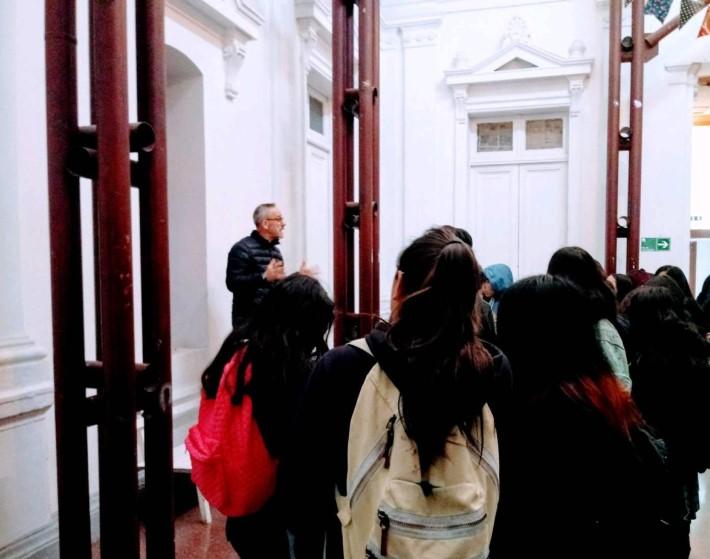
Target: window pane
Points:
(495, 136)
(543, 134)
(315, 115)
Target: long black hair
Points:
(704, 296)
(280, 340)
(670, 367)
(442, 381)
(546, 328)
(578, 266)
(660, 322)
(691, 305)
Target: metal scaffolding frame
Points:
(349, 215)
(101, 152)
(635, 50)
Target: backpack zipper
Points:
(384, 528)
(390, 441)
(427, 527)
(383, 449)
(488, 463)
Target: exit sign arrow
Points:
(655, 244)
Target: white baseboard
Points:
(40, 544)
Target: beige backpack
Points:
(386, 513)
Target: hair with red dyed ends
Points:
(546, 328)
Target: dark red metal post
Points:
(612, 153)
(118, 480)
(375, 13)
(342, 164)
(348, 102)
(636, 123)
(643, 48)
(67, 301)
(652, 39)
(366, 120)
(155, 281)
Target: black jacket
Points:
(246, 263)
(321, 444)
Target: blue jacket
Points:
(500, 278)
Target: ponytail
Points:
(444, 366)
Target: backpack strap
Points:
(361, 344)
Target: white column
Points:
(392, 163)
(461, 158)
(575, 165)
(667, 151)
(25, 391)
(309, 41)
(420, 43)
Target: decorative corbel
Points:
(309, 37)
(460, 96)
(576, 87)
(234, 53)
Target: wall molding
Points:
(20, 405)
(235, 23)
(42, 543)
(519, 78)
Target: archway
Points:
(187, 221)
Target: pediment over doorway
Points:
(520, 61)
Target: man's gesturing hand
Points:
(275, 270)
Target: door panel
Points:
(493, 214)
(518, 214)
(543, 215)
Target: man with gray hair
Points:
(255, 262)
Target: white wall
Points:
(421, 40)
(700, 195)
(26, 426)
(252, 153)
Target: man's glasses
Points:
(274, 219)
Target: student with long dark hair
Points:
(670, 368)
(280, 341)
(442, 371)
(703, 301)
(582, 478)
(578, 266)
(692, 306)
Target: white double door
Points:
(518, 214)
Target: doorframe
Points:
(552, 84)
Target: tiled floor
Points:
(195, 540)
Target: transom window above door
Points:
(495, 136)
(510, 139)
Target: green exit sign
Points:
(655, 243)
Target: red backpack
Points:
(231, 465)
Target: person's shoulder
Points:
(341, 367)
(247, 242)
(344, 357)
